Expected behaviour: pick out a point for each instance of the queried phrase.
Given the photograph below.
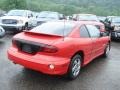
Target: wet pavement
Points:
(100, 74)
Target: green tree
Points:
(14, 4)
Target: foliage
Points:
(68, 7)
(12, 4)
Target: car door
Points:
(86, 43)
(95, 36)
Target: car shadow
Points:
(30, 77)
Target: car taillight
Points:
(49, 49)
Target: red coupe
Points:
(59, 47)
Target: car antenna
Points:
(64, 25)
(64, 31)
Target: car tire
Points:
(26, 27)
(107, 49)
(74, 67)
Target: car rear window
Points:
(54, 28)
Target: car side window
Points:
(93, 31)
(84, 32)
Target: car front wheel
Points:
(74, 67)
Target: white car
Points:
(2, 32)
(85, 17)
(46, 16)
(18, 20)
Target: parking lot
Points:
(100, 74)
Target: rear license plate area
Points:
(27, 48)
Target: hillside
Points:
(99, 7)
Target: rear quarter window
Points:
(84, 32)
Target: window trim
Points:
(86, 29)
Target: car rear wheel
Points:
(107, 50)
(74, 67)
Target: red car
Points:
(59, 47)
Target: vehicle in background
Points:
(74, 17)
(2, 32)
(46, 16)
(91, 19)
(68, 17)
(112, 24)
(101, 18)
(85, 17)
(62, 16)
(108, 23)
(59, 47)
(18, 20)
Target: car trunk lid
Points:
(30, 42)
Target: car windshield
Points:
(16, 13)
(51, 15)
(116, 20)
(54, 28)
(87, 18)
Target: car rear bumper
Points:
(40, 62)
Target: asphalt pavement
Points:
(100, 74)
